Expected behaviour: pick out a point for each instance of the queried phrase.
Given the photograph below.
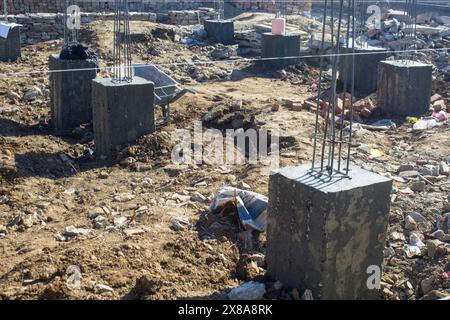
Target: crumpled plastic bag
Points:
(251, 206)
(384, 124)
(425, 124)
(441, 115)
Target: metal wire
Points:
(284, 9)
(333, 138)
(410, 34)
(5, 10)
(70, 36)
(122, 66)
(362, 28)
(219, 7)
(230, 62)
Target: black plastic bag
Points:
(77, 51)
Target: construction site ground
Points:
(49, 183)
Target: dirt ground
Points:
(133, 251)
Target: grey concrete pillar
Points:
(280, 46)
(122, 112)
(220, 31)
(70, 92)
(404, 88)
(366, 68)
(323, 234)
(10, 49)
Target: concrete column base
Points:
(280, 46)
(122, 113)
(323, 234)
(404, 88)
(70, 92)
(366, 68)
(220, 31)
(10, 49)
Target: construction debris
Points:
(166, 230)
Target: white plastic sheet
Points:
(251, 206)
(5, 27)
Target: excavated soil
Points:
(49, 183)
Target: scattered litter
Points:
(385, 124)
(121, 222)
(412, 119)
(375, 153)
(425, 124)
(376, 126)
(251, 206)
(313, 87)
(441, 115)
(412, 251)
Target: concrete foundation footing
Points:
(366, 68)
(70, 92)
(220, 31)
(326, 234)
(122, 113)
(280, 46)
(404, 87)
(10, 49)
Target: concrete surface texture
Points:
(281, 46)
(324, 233)
(122, 112)
(10, 49)
(404, 87)
(366, 68)
(70, 92)
(220, 31)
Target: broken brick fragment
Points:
(439, 105)
(297, 106)
(365, 112)
(309, 105)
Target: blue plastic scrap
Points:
(251, 206)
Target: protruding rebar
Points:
(319, 89)
(219, 7)
(410, 34)
(122, 66)
(5, 10)
(333, 137)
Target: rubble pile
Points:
(433, 32)
(190, 17)
(201, 72)
(249, 42)
(291, 6)
(53, 6)
(362, 108)
(40, 27)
